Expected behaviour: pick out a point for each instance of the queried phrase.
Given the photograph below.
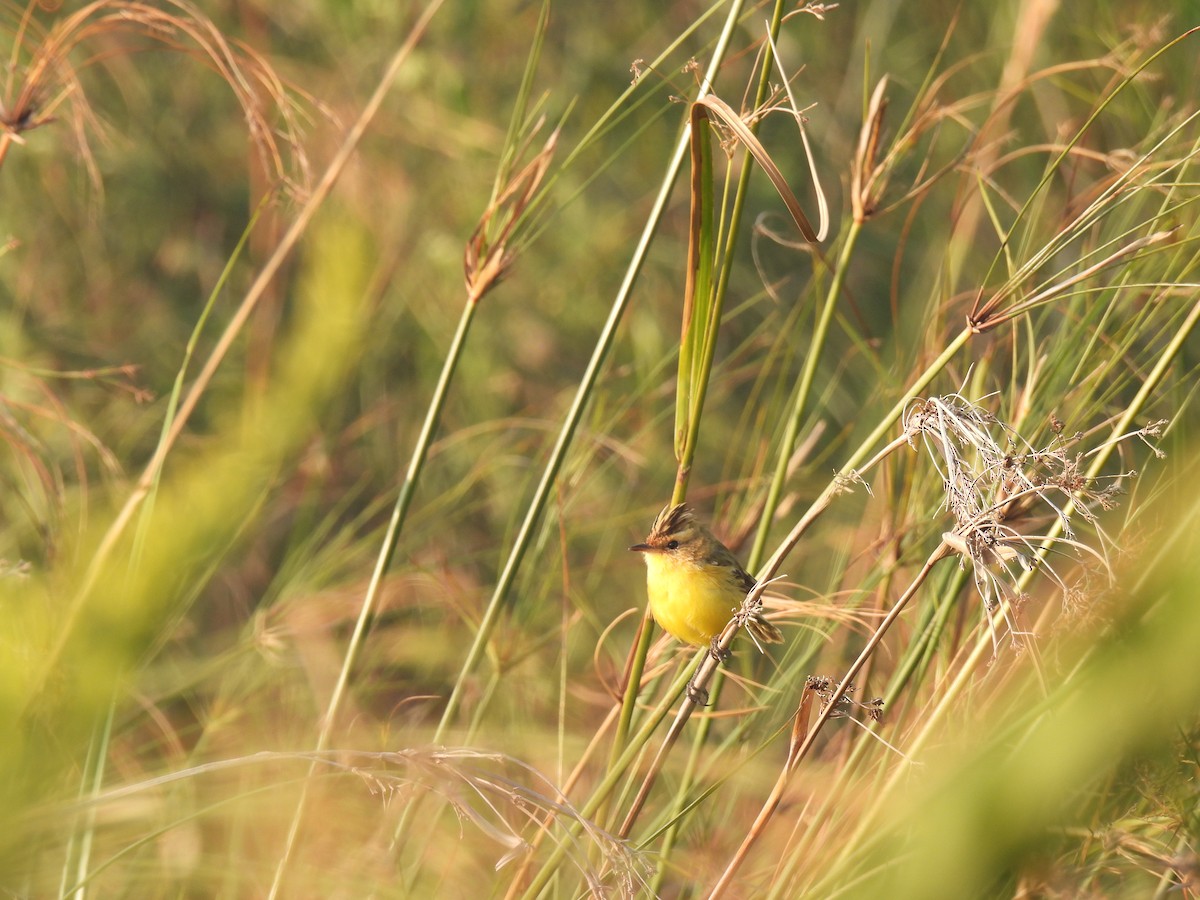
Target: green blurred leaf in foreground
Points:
(65, 654)
(977, 814)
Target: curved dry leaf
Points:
(711, 104)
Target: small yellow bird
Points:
(695, 582)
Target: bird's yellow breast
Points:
(690, 600)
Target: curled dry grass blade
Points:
(703, 294)
(41, 79)
(870, 175)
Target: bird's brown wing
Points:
(744, 580)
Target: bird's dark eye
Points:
(672, 545)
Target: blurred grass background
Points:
(141, 677)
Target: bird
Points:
(695, 583)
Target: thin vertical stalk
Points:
(289, 240)
(92, 782)
(392, 538)
(685, 465)
(386, 552)
(563, 443)
(800, 407)
(582, 395)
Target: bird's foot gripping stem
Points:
(697, 695)
(719, 653)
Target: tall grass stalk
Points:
(703, 302)
(705, 294)
(488, 255)
(566, 435)
(799, 409)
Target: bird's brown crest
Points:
(674, 523)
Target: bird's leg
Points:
(697, 695)
(719, 653)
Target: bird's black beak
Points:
(641, 548)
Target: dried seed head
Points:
(995, 481)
